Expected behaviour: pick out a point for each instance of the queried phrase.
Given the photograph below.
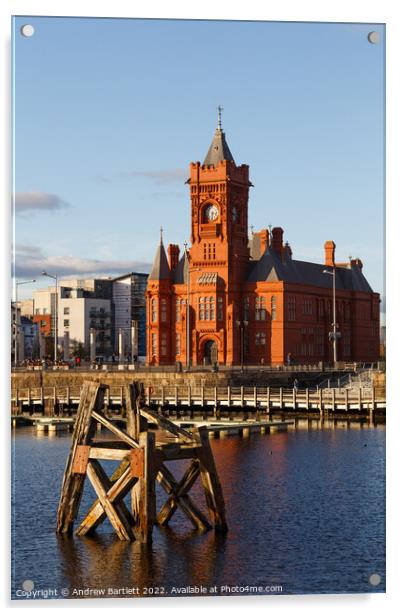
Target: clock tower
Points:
(219, 253)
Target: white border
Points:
(385, 11)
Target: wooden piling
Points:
(73, 483)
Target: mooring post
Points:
(146, 512)
(73, 482)
(210, 481)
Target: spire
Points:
(160, 268)
(219, 149)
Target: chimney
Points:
(173, 256)
(277, 239)
(264, 240)
(357, 263)
(330, 253)
(287, 251)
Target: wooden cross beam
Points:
(115, 508)
(116, 491)
(210, 481)
(178, 496)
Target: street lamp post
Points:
(241, 325)
(188, 305)
(55, 314)
(334, 335)
(16, 328)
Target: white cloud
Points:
(38, 202)
(31, 261)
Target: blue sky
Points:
(109, 113)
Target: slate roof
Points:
(180, 273)
(218, 150)
(270, 268)
(160, 268)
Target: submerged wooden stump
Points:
(143, 455)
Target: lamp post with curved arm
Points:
(334, 335)
(55, 313)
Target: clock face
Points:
(234, 214)
(211, 213)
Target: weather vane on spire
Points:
(161, 231)
(220, 109)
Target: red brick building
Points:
(237, 299)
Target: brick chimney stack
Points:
(173, 256)
(330, 253)
(277, 239)
(264, 240)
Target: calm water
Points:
(305, 509)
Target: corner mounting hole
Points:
(27, 30)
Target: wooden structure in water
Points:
(142, 454)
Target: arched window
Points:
(220, 308)
(212, 308)
(273, 308)
(153, 310)
(260, 311)
(163, 344)
(163, 311)
(177, 310)
(201, 309)
(153, 344)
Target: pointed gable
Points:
(160, 268)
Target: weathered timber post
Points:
(346, 400)
(144, 507)
(210, 481)
(333, 401)
(307, 399)
(268, 400)
(320, 404)
(74, 476)
(162, 395)
(280, 397)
